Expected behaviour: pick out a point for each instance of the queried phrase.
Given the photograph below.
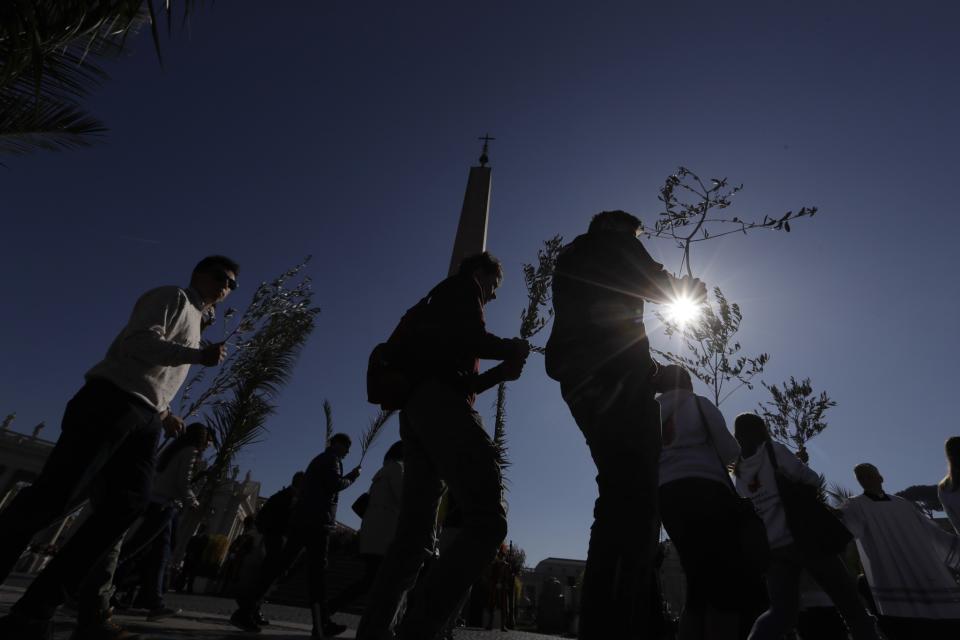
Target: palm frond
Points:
(48, 125)
(839, 494)
(238, 423)
(34, 34)
(48, 56)
(500, 428)
(328, 416)
(370, 434)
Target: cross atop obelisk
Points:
(486, 147)
(472, 230)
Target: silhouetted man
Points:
(443, 338)
(314, 516)
(109, 438)
(273, 519)
(193, 556)
(273, 522)
(599, 352)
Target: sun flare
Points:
(683, 311)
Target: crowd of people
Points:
(742, 510)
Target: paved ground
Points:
(206, 618)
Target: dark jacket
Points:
(320, 491)
(445, 335)
(599, 285)
(273, 519)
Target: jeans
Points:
(783, 585)
(97, 589)
(107, 449)
(621, 423)
(444, 443)
(148, 551)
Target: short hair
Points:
(342, 438)
(214, 262)
(749, 424)
(485, 261)
(952, 448)
(198, 434)
(395, 452)
(862, 469)
(618, 218)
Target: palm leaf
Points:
(45, 125)
(48, 52)
(500, 428)
(370, 434)
(239, 422)
(839, 494)
(328, 417)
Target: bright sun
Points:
(682, 311)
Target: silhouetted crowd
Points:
(745, 514)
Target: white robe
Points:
(905, 557)
(951, 505)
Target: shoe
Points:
(261, 619)
(242, 619)
(14, 626)
(103, 630)
(159, 613)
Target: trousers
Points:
(620, 420)
(445, 445)
(106, 452)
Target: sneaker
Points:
(159, 613)
(14, 626)
(105, 629)
(261, 619)
(242, 619)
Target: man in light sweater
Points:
(107, 447)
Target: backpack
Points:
(395, 367)
(274, 515)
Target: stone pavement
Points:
(207, 618)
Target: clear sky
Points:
(345, 130)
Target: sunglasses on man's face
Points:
(224, 277)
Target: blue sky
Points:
(345, 130)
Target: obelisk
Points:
(472, 230)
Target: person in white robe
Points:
(906, 557)
(948, 491)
